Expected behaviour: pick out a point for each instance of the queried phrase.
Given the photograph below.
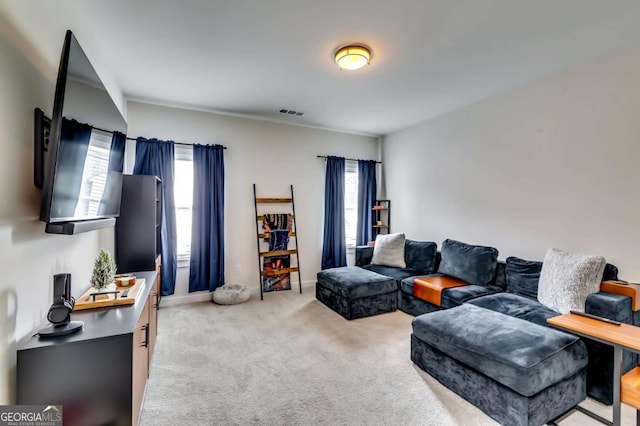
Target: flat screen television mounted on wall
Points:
(82, 182)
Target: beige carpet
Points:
(289, 360)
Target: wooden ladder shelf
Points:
(261, 236)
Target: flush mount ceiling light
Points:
(352, 57)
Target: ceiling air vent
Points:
(290, 112)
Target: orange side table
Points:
(621, 337)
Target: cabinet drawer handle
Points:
(157, 305)
(145, 344)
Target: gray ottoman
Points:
(354, 292)
(517, 372)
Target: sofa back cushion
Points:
(473, 264)
(523, 276)
(500, 279)
(389, 251)
(420, 256)
(566, 279)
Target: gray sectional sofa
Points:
(501, 292)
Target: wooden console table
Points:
(99, 374)
(626, 388)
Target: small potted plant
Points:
(104, 270)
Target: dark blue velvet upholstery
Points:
(500, 279)
(397, 274)
(473, 264)
(520, 355)
(353, 282)
(523, 276)
(522, 280)
(364, 254)
(600, 369)
(610, 272)
(360, 307)
(501, 403)
(414, 306)
(406, 285)
(451, 297)
(517, 307)
(420, 256)
(456, 296)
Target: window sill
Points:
(183, 261)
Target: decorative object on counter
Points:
(119, 296)
(127, 281)
(231, 294)
(104, 270)
(59, 314)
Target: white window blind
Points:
(351, 202)
(183, 193)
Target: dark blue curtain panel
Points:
(367, 189)
(116, 158)
(334, 248)
(156, 158)
(207, 231)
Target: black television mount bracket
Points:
(42, 129)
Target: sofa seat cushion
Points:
(522, 356)
(453, 297)
(517, 306)
(431, 289)
(406, 285)
(353, 282)
(398, 274)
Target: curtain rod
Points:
(349, 159)
(135, 139)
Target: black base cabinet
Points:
(99, 374)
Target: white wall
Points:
(271, 155)
(28, 256)
(553, 164)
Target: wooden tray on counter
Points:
(86, 301)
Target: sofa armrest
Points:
(600, 368)
(364, 254)
(611, 306)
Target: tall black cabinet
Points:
(138, 227)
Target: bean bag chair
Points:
(231, 294)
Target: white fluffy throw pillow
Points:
(567, 279)
(389, 250)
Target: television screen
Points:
(87, 185)
(83, 168)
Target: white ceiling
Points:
(255, 57)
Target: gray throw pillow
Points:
(389, 250)
(567, 279)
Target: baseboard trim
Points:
(200, 296)
(203, 296)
